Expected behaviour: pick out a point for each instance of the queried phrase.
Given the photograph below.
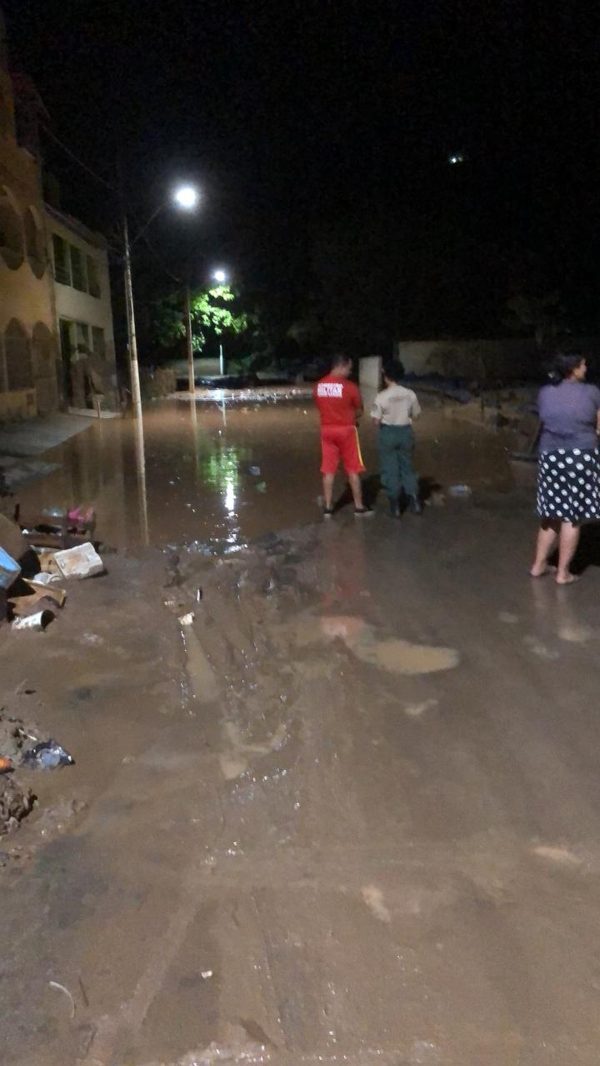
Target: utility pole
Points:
(134, 369)
(188, 339)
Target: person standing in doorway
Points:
(394, 411)
(340, 406)
(568, 490)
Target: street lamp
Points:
(220, 276)
(185, 197)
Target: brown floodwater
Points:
(217, 476)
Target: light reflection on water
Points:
(202, 476)
(184, 477)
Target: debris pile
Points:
(23, 749)
(35, 556)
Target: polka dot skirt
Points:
(569, 485)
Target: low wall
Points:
(477, 359)
(483, 359)
(369, 372)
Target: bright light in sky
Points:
(455, 158)
(186, 196)
(220, 276)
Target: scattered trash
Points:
(47, 756)
(187, 619)
(206, 974)
(261, 486)
(47, 561)
(11, 538)
(24, 604)
(61, 988)
(15, 804)
(45, 578)
(81, 561)
(37, 621)
(9, 569)
(254, 470)
(6, 764)
(460, 490)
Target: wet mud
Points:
(330, 802)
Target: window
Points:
(78, 269)
(62, 266)
(93, 280)
(34, 242)
(19, 371)
(98, 345)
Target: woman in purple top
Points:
(569, 473)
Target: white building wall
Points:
(75, 306)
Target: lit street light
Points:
(220, 276)
(185, 197)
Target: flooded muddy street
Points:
(205, 475)
(336, 792)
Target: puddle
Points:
(391, 654)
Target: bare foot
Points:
(566, 579)
(537, 571)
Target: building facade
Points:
(56, 326)
(28, 337)
(83, 309)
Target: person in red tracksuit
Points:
(340, 406)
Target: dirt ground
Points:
(345, 811)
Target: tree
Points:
(214, 311)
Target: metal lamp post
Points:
(220, 276)
(186, 197)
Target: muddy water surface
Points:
(207, 474)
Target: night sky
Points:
(320, 134)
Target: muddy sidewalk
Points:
(336, 799)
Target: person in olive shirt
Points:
(394, 410)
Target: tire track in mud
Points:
(246, 661)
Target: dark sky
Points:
(296, 115)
